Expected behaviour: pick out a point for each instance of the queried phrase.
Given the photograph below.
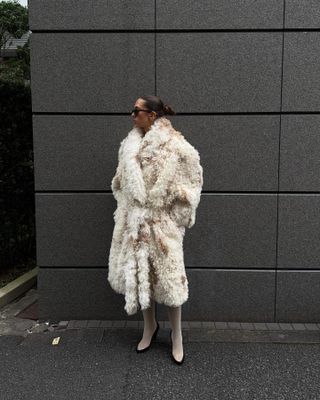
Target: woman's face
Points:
(143, 119)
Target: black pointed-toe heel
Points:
(174, 359)
(152, 339)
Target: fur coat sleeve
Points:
(116, 180)
(186, 186)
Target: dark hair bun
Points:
(168, 110)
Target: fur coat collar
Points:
(157, 186)
(160, 132)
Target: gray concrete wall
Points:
(244, 79)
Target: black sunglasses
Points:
(136, 111)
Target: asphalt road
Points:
(102, 364)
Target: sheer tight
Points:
(150, 324)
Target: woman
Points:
(157, 186)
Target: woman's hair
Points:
(154, 103)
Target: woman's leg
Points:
(174, 314)
(150, 325)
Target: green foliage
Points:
(17, 68)
(17, 233)
(13, 20)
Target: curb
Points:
(210, 331)
(217, 325)
(18, 286)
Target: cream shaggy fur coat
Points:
(157, 185)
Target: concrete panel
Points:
(77, 152)
(90, 15)
(301, 60)
(79, 293)
(220, 71)
(299, 155)
(302, 14)
(232, 295)
(233, 231)
(74, 229)
(238, 152)
(299, 231)
(298, 296)
(96, 72)
(219, 14)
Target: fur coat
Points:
(157, 186)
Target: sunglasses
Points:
(136, 111)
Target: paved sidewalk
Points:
(204, 331)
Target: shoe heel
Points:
(152, 339)
(172, 357)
